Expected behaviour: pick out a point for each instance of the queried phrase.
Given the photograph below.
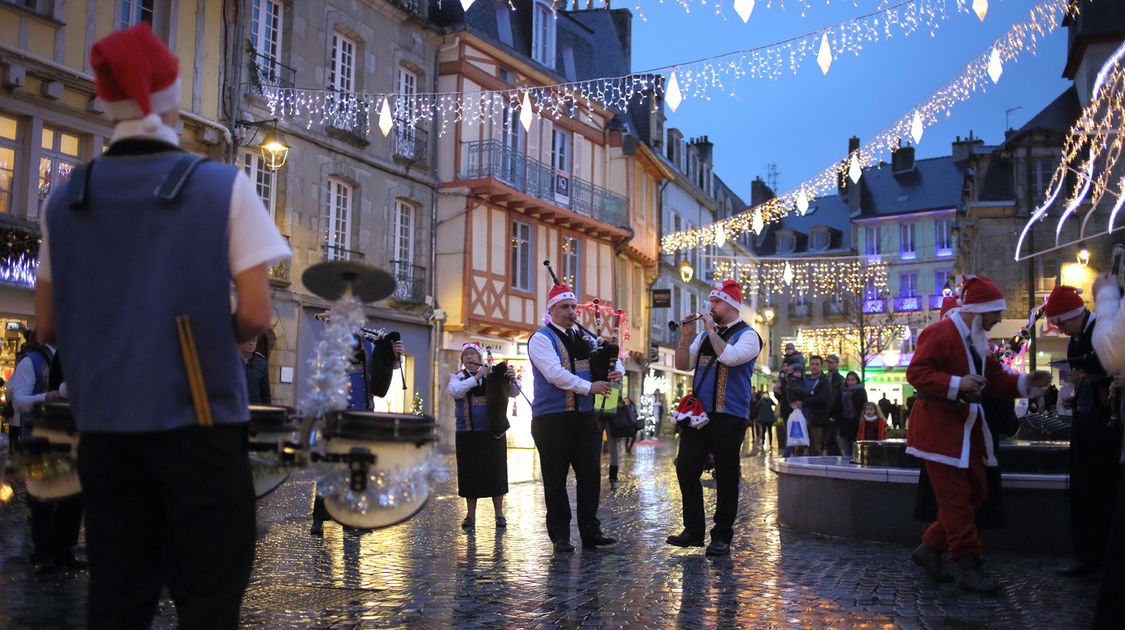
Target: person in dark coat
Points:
(818, 398)
(257, 373)
(832, 430)
(852, 399)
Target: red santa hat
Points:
(135, 74)
(558, 293)
(981, 295)
(1063, 304)
(691, 410)
(729, 292)
(469, 345)
(948, 303)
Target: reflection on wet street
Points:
(429, 573)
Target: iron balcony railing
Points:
(410, 142)
(935, 301)
(413, 6)
(491, 158)
(411, 282)
(343, 114)
(265, 71)
(908, 303)
(339, 252)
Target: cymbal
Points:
(330, 279)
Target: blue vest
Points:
(471, 411)
(725, 389)
(123, 267)
(551, 399)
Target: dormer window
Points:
(819, 238)
(786, 241)
(543, 34)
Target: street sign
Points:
(654, 353)
(661, 298)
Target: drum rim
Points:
(386, 429)
(421, 507)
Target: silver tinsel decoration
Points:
(386, 488)
(328, 377)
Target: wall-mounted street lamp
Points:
(686, 272)
(1083, 257)
(273, 149)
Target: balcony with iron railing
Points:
(346, 120)
(410, 287)
(493, 159)
(265, 71)
(339, 252)
(410, 143)
(908, 303)
(875, 305)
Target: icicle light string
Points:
(984, 70)
(698, 79)
(811, 277)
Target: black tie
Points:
(572, 334)
(975, 356)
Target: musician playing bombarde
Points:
(723, 359)
(563, 421)
(482, 456)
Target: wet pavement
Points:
(428, 573)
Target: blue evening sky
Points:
(802, 121)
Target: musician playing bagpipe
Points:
(481, 392)
(713, 417)
(564, 423)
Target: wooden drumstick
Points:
(194, 372)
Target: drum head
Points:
(56, 487)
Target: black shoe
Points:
(930, 560)
(563, 546)
(601, 540)
(501, 522)
(718, 548)
(68, 562)
(468, 524)
(317, 528)
(686, 539)
(1076, 570)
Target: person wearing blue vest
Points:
(169, 500)
(723, 359)
(482, 455)
(564, 424)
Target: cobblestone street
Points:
(428, 573)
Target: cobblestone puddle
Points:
(428, 573)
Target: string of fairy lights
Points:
(699, 79)
(1091, 157)
(984, 70)
(826, 340)
(805, 276)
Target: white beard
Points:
(980, 339)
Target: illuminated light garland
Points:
(743, 8)
(829, 340)
(698, 79)
(1023, 36)
(813, 277)
(1099, 134)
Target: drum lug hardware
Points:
(357, 467)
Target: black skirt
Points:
(482, 465)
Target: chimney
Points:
(760, 192)
(964, 149)
(843, 183)
(704, 146)
(902, 160)
(853, 145)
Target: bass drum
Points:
(383, 470)
(48, 460)
(270, 427)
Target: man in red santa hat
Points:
(1095, 441)
(952, 365)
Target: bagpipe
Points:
(496, 386)
(603, 354)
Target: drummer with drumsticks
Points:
(139, 250)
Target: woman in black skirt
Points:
(482, 456)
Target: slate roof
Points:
(934, 184)
(1058, 116)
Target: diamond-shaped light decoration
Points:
(802, 203)
(787, 275)
(757, 224)
(980, 7)
(744, 8)
(855, 171)
(824, 57)
(525, 112)
(995, 66)
(385, 121)
(672, 95)
(916, 127)
(720, 236)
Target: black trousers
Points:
(565, 441)
(171, 508)
(1111, 605)
(1094, 451)
(722, 436)
(54, 527)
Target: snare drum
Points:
(269, 427)
(380, 467)
(48, 460)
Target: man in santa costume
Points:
(723, 359)
(564, 424)
(169, 499)
(952, 365)
(1095, 440)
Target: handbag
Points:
(796, 429)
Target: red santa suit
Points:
(952, 436)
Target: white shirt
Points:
(253, 238)
(542, 353)
(746, 348)
(459, 385)
(1109, 336)
(20, 387)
